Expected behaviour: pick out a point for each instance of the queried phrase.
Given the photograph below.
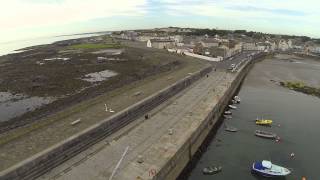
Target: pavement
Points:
(225, 64)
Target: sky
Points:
(23, 19)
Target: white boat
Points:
(211, 170)
(232, 106)
(230, 129)
(267, 169)
(237, 99)
(265, 134)
(227, 113)
(227, 116)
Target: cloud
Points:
(22, 19)
(285, 9)
(35, 13)
(273, 16)
(268, 10)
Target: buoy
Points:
(279, 125)
(292, 155)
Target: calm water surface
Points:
(298, 116)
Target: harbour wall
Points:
(175, 166)
(57, 154)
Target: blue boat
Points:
(267, 169)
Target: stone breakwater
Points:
(193, 140)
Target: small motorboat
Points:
(227, 116)
(232, 106)
(237, 99)
(211, 170)
(230, 129)
(267, 169)
(264, 122)
(227, 113)
(265, 134)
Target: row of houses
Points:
(282, 45)
(213, 46)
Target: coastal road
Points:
(225, 64)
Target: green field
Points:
(95, 46)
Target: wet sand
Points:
(284, 68)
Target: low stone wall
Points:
(204, 57)
(46, 160)
(172, 169)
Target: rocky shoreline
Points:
(301, 87)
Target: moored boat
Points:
(267, 169)
(227, 112)
(237, 99)
(227, 116)
(232, 106)
(211, 170)
(265, 134)
(264, 122)
(230, 129)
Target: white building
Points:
(283, 45)
(249, 46)
(209, 43)
(177, 38)
(160, 44)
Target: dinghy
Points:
(230, 129)
(232, 106)
(265, 134)
(211, 170)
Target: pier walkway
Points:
(156, 139)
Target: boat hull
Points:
(231, 130)
(267, 173)
(266, 135)
(264, 122)
(264, 174)
(227, 113)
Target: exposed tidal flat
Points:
(295, 118)
(14, 105)
(55, 76)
